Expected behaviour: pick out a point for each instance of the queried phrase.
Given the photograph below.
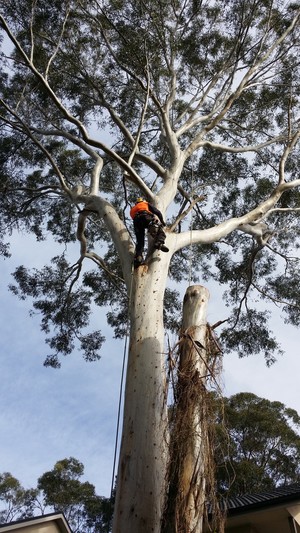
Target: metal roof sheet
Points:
(267, 498)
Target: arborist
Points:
(146, 216)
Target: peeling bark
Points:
(188, 448)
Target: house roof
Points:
(58, 518)
(273, 511)
(251, 502)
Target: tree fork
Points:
(188, 447)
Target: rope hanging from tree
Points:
(121, 392)
(120, 400)
(191, 231)
(118, 417)
(125, 175)
(137, 139)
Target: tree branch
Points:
(42, 79)
(242, 149)
(247, 223)
(80, 234)
(70, 118)
(198, 141)
(290, 146)
(86, 144)
(26, 129)
(58, 42)
(181, 216)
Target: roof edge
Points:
(58, 517)
(273, 501)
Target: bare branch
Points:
(193, 120)
(241, 149)
(182, 215)
(149, 161)
(258, 230)
(290, 146)
(86, 144)
(42, 79)
(31, 29)
(135, 178)
(58, 42)
(219, 231)
(244, 298)
(96, 176)
(273, 299)
(26, 129)
(283, 210)
(80, 234)
(101, 263)
(198, 141)
(138, 135)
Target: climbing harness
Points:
(155, 229)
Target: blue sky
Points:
(48, 414)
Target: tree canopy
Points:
(195, 105)
(258, 445)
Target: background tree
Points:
(59, 490)
(258, 445)
(15, 501)
(103, 101)
(62, 490)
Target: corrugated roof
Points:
(276, 496)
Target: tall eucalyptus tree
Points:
(192, 104)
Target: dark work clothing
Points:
(157, 213)
(141, 222)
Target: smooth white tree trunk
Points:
(143, 457)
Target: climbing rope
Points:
(119, 416)
(121, 392)
(130, 160)
(191, 256)
(137, 139)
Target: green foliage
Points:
(251, 336)
(15, 501)
(63, 491)
(258, 445)
(74, 81)
(65, 311)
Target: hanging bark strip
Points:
(188, 450)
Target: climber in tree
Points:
(146, 216)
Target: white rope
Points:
(118, 417)
(191, 255)
(121, 392)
